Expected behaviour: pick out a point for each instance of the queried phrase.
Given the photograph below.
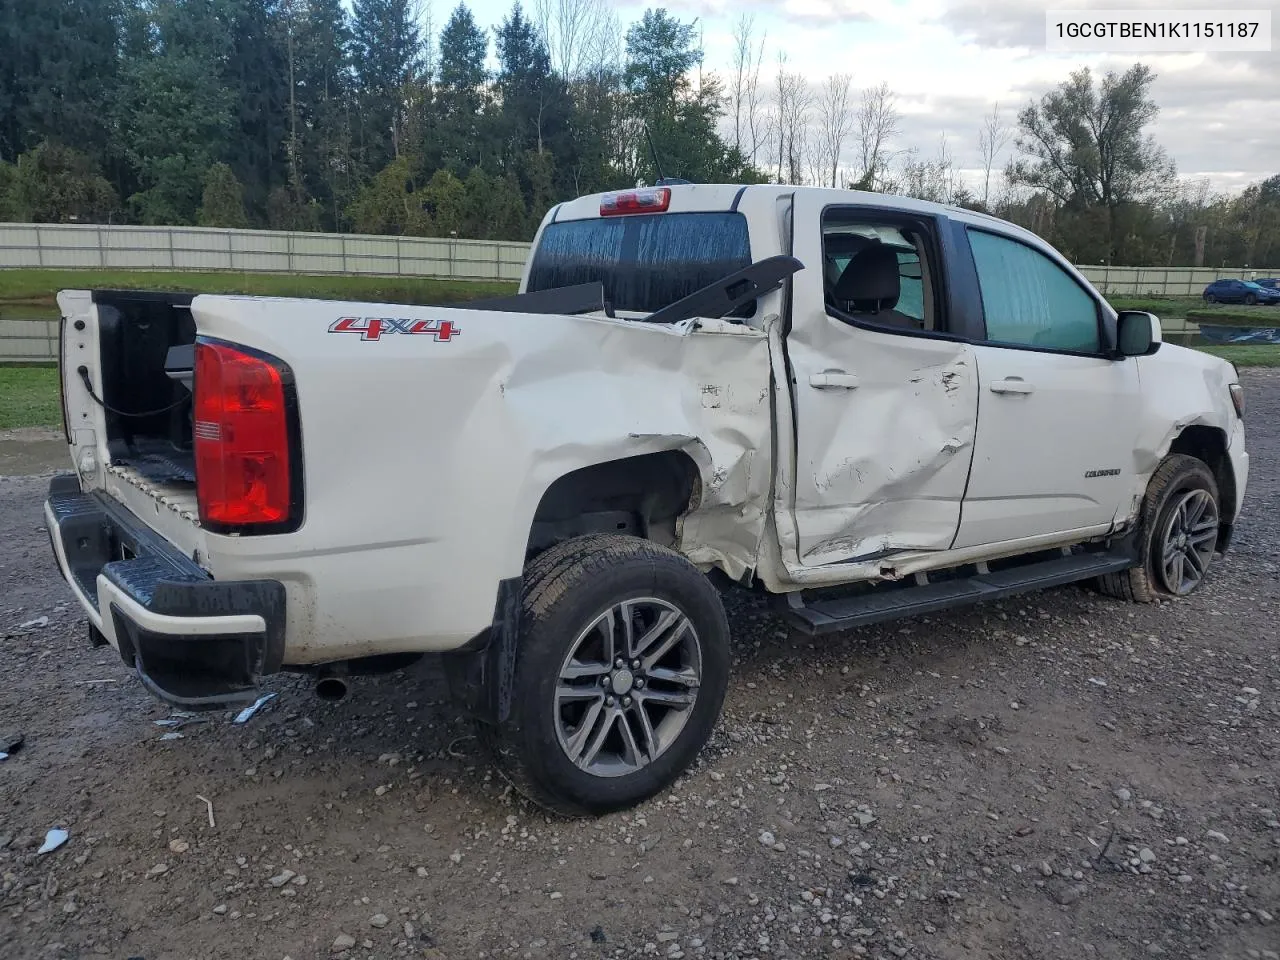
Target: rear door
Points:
(884, 391)
(1057, 416)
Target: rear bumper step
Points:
(196, 642)
(892, 602)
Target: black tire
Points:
(1251, 298)
(1176, 477)
(566, 590)
(1210, 298)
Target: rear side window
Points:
(1029, 300)
(645, 262)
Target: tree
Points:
(1085, 145)
(390, 203)
(744, 93)
(55, 184)
(8, 202)
(175, 114)
(222, 204)
(58, 73)
(661, 53)
(572, 31)
(993, 137)
(446, 202)
(322, 98)
(461, 97)
(835, 120)
(877, 126)
(535, 102)
(387, 60)
(793, 101)
(256, 75)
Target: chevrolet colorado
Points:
(869, 406)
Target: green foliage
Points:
(446, 202)
(1085, 145)
(681, 120)
(29, 397)
(390, 204)
(1247, 354)
(222, 203)
(387, 59)
(8, 202)
(55, 184)
(1160, 306)
(1237, 316)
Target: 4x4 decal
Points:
(374, 328)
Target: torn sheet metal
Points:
(483, 425)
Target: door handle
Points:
(1012, 385)
(833, 380)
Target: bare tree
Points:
(878, 123)
(992, 139)
(835, 119)
(744, 89)
(570, 29)
(793, 102)
(757, 122)
(936, 179)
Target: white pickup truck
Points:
(870, 406)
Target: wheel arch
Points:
(643, 495)
(1209, 445)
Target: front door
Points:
(1057, 417)
(884, 401)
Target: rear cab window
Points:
(644, 261)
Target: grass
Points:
(1160, 306)
(1241, 316)
(30, 294)
(1247, 354)
(29, 397)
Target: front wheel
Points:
(1210, 298)
(1177, 534)
(622, 663)
(1251, 298)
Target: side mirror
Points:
(1137, 333)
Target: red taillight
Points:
(241, 438)
(648, 200)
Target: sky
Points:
(951, 61)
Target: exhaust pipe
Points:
(331, 688)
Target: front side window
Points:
(1029, 300)
(873, 272)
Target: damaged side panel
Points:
(425, 472)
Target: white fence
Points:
(28, 341)
(1164, 281)
(270, 251)
(74, 246)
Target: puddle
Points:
(30, 451)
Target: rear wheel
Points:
(621, 668)
(1210, 298)
(1177, 534)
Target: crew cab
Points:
(868, 406)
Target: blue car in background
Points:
(1239, 291)
(1271, 283)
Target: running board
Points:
(892, 602)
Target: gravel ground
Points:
(1061, 775)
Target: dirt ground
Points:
(1058, 776)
